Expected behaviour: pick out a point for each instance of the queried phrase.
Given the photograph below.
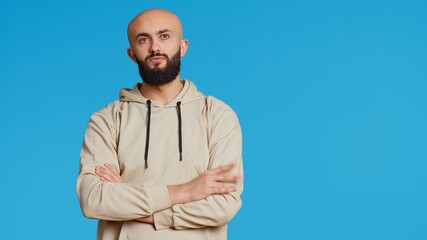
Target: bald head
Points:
(156, 45)
(153, 20)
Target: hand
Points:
(108, 174)
(149, 219)
(213, 181)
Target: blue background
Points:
(331, 96)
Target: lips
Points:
(156, 59)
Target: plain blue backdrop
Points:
(331, 96)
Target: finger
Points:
(103, 179)
(103, 173)
(223, 169)
(108, 174)
(223, 189)
(113, 172)
(228, 178)
(110, 167)
(100, 171)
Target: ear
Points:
(131, 54)
(184, 47)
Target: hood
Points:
(188, 94)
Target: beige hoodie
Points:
(210, 136)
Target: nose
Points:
(155, 46)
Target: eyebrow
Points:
(163, 31)
(144, 34)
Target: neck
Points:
(164, 93)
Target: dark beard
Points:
(160, 76)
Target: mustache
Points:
(156, 54)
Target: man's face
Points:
(156, 46)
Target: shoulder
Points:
(220, 111)
(216, 105)
(109, 113)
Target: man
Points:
(164, 162)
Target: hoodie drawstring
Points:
(147, 140)
(178, 104)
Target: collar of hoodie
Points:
(188, 93)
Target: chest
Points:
(164, 137)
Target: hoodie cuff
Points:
(163, 219)
(160, 199)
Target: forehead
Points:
(153, 22)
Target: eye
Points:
(164, 36)
(143, 40)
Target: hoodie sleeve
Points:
(216, 210)
(111, 201)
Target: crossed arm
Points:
(208, 200)
(213, 181)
